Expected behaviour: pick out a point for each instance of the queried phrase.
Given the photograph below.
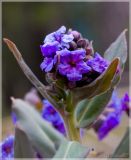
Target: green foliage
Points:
(71, 149)
(88, 111)
(122, 150)
(118, 49)
(43, 137)
(100, 85)
(22, 147)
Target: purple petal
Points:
(67, 38)
(64, 69)
(82, 67)
(77, 55)
(49, 38)
(64, 56)
(47, 64)
(61, 30)
(74, 75)
(49, 49)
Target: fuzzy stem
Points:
(73, 132)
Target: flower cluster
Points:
(51, 115)
(111, 116)
(71, 56)
(7, 148)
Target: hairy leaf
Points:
(88, 111)
(118, 49)
(22, 146)
(41, 134)
(71, 149)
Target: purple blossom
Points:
(98, 63)
(59, 36)
(54, 42)
(125, 101)
(112, 117)
(49, 49)
(50, 114)
(72, 64)
(7, 148)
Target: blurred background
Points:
(27, 23)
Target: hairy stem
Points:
(73, 132)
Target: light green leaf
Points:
(41, 134)
(122, 150)
(118, 49)
(71, 149)
(22, 145)
(88, 111)
(99, 86)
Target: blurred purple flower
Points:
(50, 114)
(98, 63)
(125, 101)
(7, 148)
(110, 118)
(72, 64)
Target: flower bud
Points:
(76, 35)
(73, 45)
(83, 43)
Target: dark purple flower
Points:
(112, 117)
(50, 114)
(72, 64)
(98, 63)
(125, 101)
(59, 36)
(112, 120)
(7, 148)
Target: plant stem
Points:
(73, 132)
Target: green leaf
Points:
(41, 134)
(71, 149)
(22, 146)
(122, 150)
(118, 49)
(99, 86)
(88, 111)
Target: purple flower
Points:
(54, 42)
(125, 101)
(50, 114)
(49, 49)
(7, 148)
(59, 36)
(97, 63)
(72, 64)
(47, 64)
(111, 122)
(110, 118)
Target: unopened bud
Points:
(73, 45)
(76, 35)
(83, 43)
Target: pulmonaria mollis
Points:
(69, 56)
(111, 116)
